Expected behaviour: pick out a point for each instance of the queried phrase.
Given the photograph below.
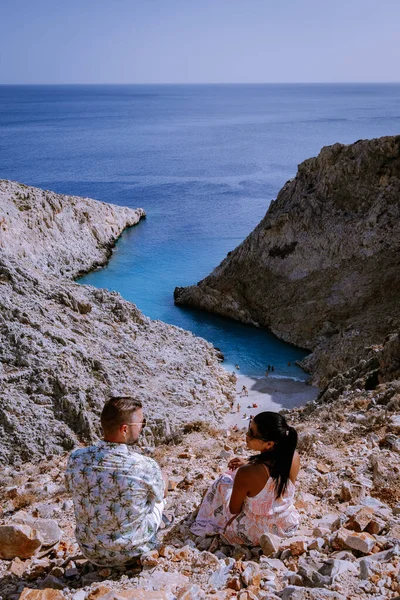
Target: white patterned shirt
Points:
(114, 490)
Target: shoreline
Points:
(267, 393)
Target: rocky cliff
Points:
(64, 347)
(321, 270)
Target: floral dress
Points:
(261, 514)
(118, 500)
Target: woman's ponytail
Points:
(284, 452)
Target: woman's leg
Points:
(212, 516)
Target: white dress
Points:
(263, 513)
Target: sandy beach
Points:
(267, 393)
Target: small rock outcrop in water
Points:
(64, 347)
(321, 270)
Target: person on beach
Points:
(256, 495)
(244, 391)
(118, 494)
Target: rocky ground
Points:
(65, 348)
(347, 547)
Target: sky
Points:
(199, 41)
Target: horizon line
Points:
(213, 83)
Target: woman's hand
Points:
(236, 462)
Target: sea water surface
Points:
(204, 161)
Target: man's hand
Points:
(236, 462)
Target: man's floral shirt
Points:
(114, 490)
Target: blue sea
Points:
(204, 161)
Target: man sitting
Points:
(117, 493)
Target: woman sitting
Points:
(259, 497)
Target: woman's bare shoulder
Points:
(248, 469)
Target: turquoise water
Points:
(203, 161)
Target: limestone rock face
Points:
(58, 234)
(321, 270)
(65, 348)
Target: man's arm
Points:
(155, 480)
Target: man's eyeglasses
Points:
(144, 422)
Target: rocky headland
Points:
(64, 347)
(56, 234)
(321, 270)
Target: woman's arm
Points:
(240, 489)
(294, 470)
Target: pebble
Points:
(52, 582)
(270, 543)
(183, 553)
(219, 578)
(17, 540)
(49, 594)
(149, 559)
(352, 492)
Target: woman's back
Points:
(265, 502)
(258, 474)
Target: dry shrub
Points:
(200, 426)
(361, 403)
(390, 494)
(24, 499)
(174, 439)
(18, 479)
(162, 453)
(177, 436)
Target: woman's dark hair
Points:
(272, 427)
